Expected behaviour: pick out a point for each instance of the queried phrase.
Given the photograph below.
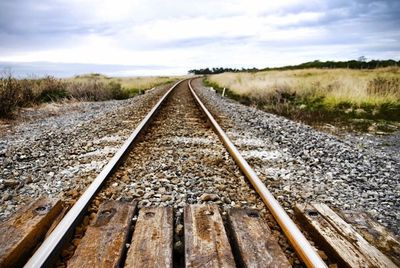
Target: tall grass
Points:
(16, 93)
(133, 85)
(93, 90)
(319, 94)
(336, 85)
(9, 96)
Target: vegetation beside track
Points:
(17, 93)
(362, 100)
(131, 85)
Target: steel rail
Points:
(54, 241)
(296, 238)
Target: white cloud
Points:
(188, 34)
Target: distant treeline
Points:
(219, 70)
(351, 64)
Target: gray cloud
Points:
(36, 28)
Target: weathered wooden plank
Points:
(104, 241)
(21, 234)
(152, 239)
(206, 243)
(339, 238)
(254, 244)
(374, 233)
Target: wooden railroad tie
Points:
(340, 239)
(104, 241)
(244, 241)
(152, 241)
(21, 233)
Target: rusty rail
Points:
(296, 238)
(53, 242)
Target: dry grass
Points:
(137, 83)
(334, 85)
(16, 93)
(319, 95)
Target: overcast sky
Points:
(166, 37)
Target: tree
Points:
(362, 59)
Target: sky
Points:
(155, 37)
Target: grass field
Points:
(356, 98)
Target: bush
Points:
(27, 92)
(93, 90)
(116, 91)
(86, 91)
(50, 89)
(15, 93)
(9, 96)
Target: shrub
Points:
(16, 93)
(9, 96)
(27, 92)
(86, 91)
(116, 91)
(93, 90)
(49, 89)
(133, 91)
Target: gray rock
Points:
(6, 197)
(10, 183)
(179, 229)
(166, 198)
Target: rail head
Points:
(54, 241)
(303, 248)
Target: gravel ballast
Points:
(179, 160)
(59, 150)
(184, 162)
(299, 164)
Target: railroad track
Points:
(177, 157)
